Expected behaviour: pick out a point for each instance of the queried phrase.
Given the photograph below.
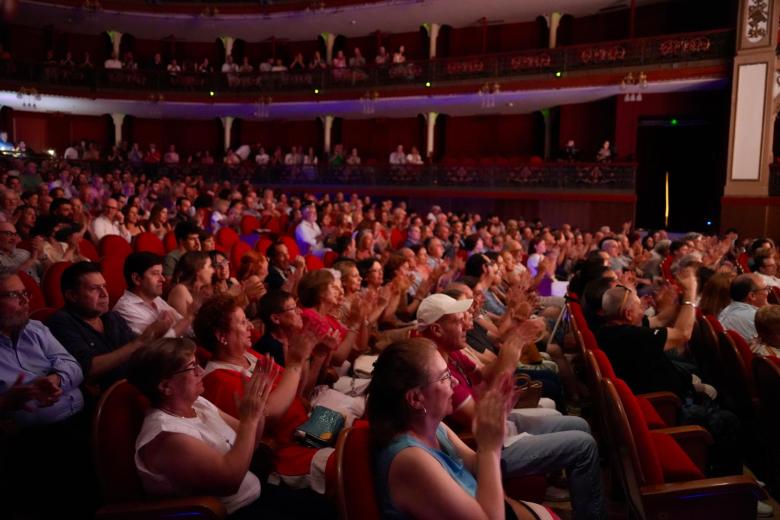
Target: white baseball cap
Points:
(435, 306)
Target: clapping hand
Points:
(492, 406)
(256, 391)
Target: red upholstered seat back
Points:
(249, 223)
(292, 246)
(713, 321)
(648, 458)
(397, 238)
(88, 250)
(355, 475)
(148, 242)
(604, 365)
(226, 238)
(37, 299)
(329, 258)
(743, 348)
(112, 268)
(236, 254)
(118, 420)
(313, 263)
(114, 245)
(51, 284)
(169, 242)
(263, 243)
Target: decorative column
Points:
(116, 40)
(433, 35)
(227, 124)
(754, 103)
(553, 20)
(430, 128)
(118, 120)
(327, 126)
(227, 43)
(547, 131)
(330, 40)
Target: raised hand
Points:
(301, 347)
(157, 329)
(491, 410)
(256, 391)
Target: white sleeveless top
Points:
(210, 428)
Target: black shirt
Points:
(84, 342)
(272, 346)
(637, 356)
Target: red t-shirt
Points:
(465, 372)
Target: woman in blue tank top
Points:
(423, 470)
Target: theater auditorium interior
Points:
(403, 259)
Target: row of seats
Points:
(660, 464)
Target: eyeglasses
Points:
(627, 291)
(191, 366)
(9, 233)
(16, 295)
(765, 288)
(294, 308)
(446, 376)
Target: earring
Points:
(424, 411)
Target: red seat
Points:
(37, 299)
(263, 243)
(117, 422)
(51, 284)
(114, 245)
(355, 490)
(742, 261)
(397, 238)
(329, 258)
(112, 268)
(313, 263)
(237, 253)
(292, 246)
(225, 238)
(249, 223)
(169, 242)
(42, 314)
(149, 242)
(662, 477)
(87, 250)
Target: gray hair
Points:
(612, 301)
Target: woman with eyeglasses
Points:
(222, 328)
(222, 281)
(187, 446)
(423, 470)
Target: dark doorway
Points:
(693, 154)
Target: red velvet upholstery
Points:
(329, 258)
(112, 268)
(675, 463)
(582, 326)
(169, 242)
(226, 237)
(653, 420)
(249, 224)
(397, 238)
(742, 347)
(37, 299)
(114, 245)
(292, 246)
(717, 327)
(237, 253)
(51, 284)
(148, 242)
(355, 475)
(604, 365)
(87, 250)
(648, 459)
(313, 263)
(262, 244)
(42, 314)
(118, 420)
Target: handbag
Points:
(321, 429)
(529, 391)
(363, 366)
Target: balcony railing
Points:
(557, 176)
(675, 48)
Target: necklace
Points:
(163, 409)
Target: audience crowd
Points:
(246, 314)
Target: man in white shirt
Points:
(142, 303)
(171, 156)
(748, 294)
(111, 222)
(262, 157)
(308, 235)
(398, 157)
(71, 153)
(766, 268)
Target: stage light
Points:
(211, 93)
(316, 91)
(428, 84)
(709, 222)
(558, 74)
(674, 122)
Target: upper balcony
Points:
(669, 51)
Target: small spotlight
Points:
(709, 222)
(316, 91)
(558, 74)
(211, 93)
(51, 152)
(674, 122)
(428, 84)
